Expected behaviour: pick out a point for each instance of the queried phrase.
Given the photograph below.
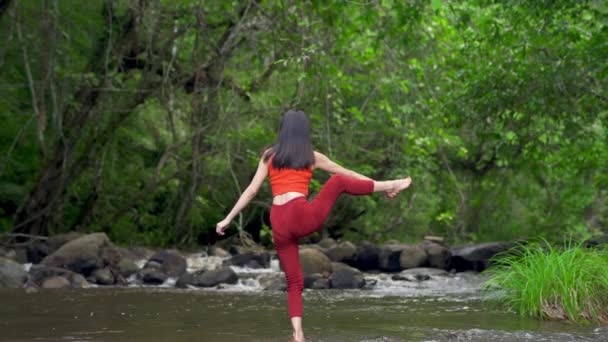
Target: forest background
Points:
(145, 119)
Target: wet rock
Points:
(250, 259)
(346, 278)
(127, 266)
(11, 273)
(152, 276)
(389, 257)
(224, 275)
(309, 279)
(170, 261)
(412, 256)
(37, 250)
(135, 253)
(218, 252)
(103, 276)
(438, 255)
(39, 273)
(85, 254)
(320, 284)
(56, 282)
(273, 282)
(367, 257)
(476, 257)
(343, 252)
(314, 261)
(327, 243)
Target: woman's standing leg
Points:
(287, 251)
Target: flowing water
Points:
(448, 308)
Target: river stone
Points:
(412, 256)
(343, 252)
(249, 259)
(314, 261)
(320, 284)
(224, 275)
(218, 252)
(367, 257)
(56, 282)
(327, 243)
(346, 278)
(476, 257)
(38, 273)
(389, 257)
(273, 282)
(309, 279)
(37, 250)
(152, 276)
(127, 266)
(103, 276)
(438, 255)
(85, 254)
(11, 273)
(171, 262)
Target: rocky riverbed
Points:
(76, 261)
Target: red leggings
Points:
(299, 218)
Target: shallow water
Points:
(163, 314)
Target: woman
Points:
(289, 164)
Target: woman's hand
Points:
(221, 226)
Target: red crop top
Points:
(287, 180)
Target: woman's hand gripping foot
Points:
(399, 185)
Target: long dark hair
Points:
(293, 149)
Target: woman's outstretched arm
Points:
(324, 163)
(246, 197)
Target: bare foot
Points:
(399, 185)
(298, 337)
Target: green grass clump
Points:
(567, 283)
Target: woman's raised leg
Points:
(320, 207)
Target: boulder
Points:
(367, 257)
(224, 275)
(103, 276)
(310, 279)
(314, 261)
(56, 282)
(438, 255)
(412, 256)
(320, 284)
(152, 276)
(218, 252)
(37, 250)
(11, 273)
(39, 273)
(476, 257)
(273, 282)
(135, 253)
(84, 254)
(126, 267)
(327, 243)
(389, 257)
(346, 278)
(171, 262)
(343, 252)
(250, 259)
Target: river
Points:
(441, 309)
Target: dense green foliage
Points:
(568, 283)
(146, 119)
